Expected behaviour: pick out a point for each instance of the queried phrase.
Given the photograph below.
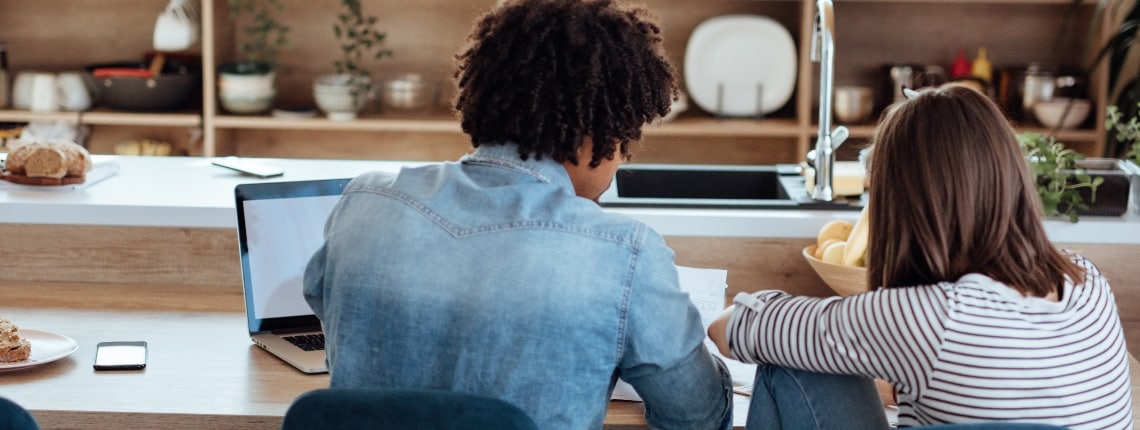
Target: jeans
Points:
(787, 399)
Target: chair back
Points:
(15, 417)
(344, 408)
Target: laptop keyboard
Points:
(308, 342)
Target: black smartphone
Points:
(120, 355)
(249, 168)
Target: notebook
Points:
(280, 226)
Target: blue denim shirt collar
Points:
(506, 156)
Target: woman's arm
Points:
(888, 334)
(717, 330)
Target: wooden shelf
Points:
(725, 127)
(172, 119)
(29, 116)
(1009, 29)
(1030, 2)
(695, 126)
(100, 117)
(1074, 135)
(432, 124)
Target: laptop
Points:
(280, 226)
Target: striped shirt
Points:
(966, 351)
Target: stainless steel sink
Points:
(713, 186)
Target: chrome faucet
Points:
(827, 140)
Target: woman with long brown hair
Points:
(975, 316)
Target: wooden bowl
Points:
(845, 280)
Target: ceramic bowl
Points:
(845, 280)
(853, 104)
(246, 103)
(334, 96)
(1048, 113)
(407, 93)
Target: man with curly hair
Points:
(499, 274)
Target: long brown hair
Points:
(951, 194)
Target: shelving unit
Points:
(870, 33)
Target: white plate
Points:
(46, 348)
(743, 53)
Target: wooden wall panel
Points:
(120, 255)
(205, 261)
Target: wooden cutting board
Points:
(25, 180)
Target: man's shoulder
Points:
(613, 225)
(371, 180)
(387, 179)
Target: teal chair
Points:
(15, 417)
(344, 409)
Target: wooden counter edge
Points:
(621, 415)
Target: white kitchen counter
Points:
(189, 192)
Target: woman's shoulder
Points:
(1079, 259)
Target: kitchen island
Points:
(171, 220)
(155, 246)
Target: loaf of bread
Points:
(47, 163)
(12, 347)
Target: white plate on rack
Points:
(46, 348)
(749, 60)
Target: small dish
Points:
(46, 348)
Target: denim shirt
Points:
(490, 276)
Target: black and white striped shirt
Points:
(967, 351)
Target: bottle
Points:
(981, 67)
(961, 66)
(4, 88)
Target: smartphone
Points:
(247, 167)
(120, 355)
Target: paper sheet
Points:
(707, 289)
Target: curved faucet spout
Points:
(823, 51)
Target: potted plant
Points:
(343, 94)
(1070, 184)
(1128, 133)
(248, 86)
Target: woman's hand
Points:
(717, 333)
(887, 393)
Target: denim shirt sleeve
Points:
(314, 282)
(664, 357)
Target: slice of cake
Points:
(13, 348)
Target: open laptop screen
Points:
(280, 226)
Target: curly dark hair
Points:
(544, 74)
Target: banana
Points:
(834, 253)
(821, 247)
(856, 249)
(835, 229)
